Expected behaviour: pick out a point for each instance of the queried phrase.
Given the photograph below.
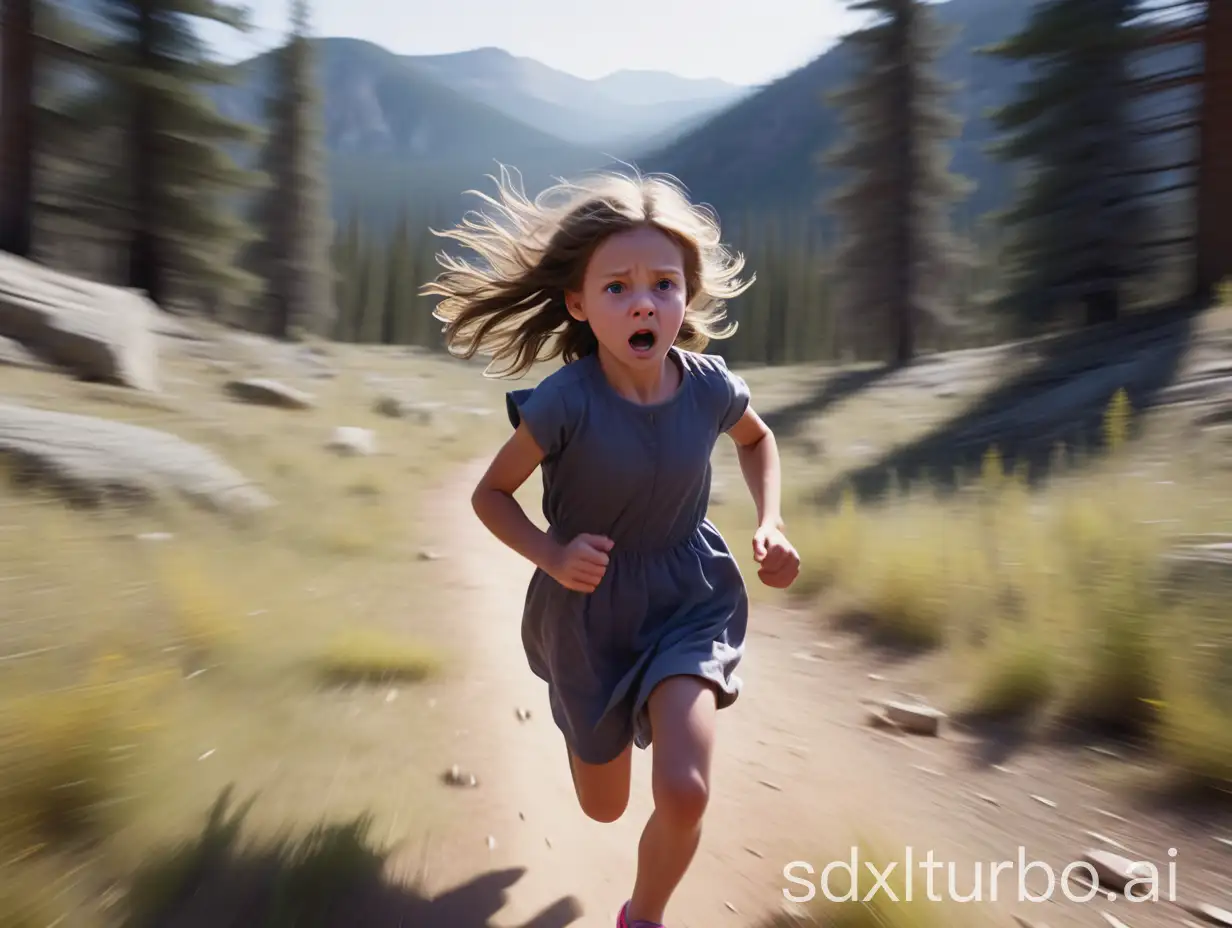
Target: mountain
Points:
(395, 134)
(632, 86)
(421, 129)
(762, 152)
(621, 109)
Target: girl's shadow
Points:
(332, 877)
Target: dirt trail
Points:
(796, 774)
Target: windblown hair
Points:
(511, 305)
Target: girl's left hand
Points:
(780, 564)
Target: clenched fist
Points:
(582, 563)
(779, 560)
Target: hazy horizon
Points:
(753, 44)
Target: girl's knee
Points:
(682, 796)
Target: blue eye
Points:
(613, 288)
(663, 282)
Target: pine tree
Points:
(898, 251)
(1078, 223)
(291, 255)
(177, 186)
(1214, 233)
(17, 126)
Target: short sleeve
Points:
(543, 410)
(735, 398)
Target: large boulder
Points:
(97, 332)
(98, 461)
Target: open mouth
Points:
(642, 340)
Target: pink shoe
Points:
(622, 920)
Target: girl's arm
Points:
(758, 453)
(501, 514)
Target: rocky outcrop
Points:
(98, 461)
(92, 330)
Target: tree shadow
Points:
(1061, 401)
(332, 877)
(786, 421)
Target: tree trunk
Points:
(17, 133)
(1214, 251)
(146, 270)
(1101, 307)
(903, 254)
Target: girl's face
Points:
(633, 295)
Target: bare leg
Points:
(682, 716)
(603, 789)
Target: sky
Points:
(741, 41)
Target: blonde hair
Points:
(532, 252)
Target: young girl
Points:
(636, 612)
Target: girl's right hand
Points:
(582, 563)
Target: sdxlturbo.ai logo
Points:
(983, 880)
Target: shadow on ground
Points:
(1061, 400)
(786, 421)
(332, 877)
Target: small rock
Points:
(391, 695)
(350, 440)
(769, 785)
(1043, 801)
(269, 393)
(457, 777)
(992, 801)
(155, 536)
(522, 714)
(1115, 871)
(491, 843)
(731, 908)
(548, 842)
(916, 718)
(397, 408)
(428, 556)
(755, 853)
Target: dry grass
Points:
(367, 657)
(1054, 606)
(149, 657)
(320, 876)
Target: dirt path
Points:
(797, 775)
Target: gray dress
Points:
(673, 600)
